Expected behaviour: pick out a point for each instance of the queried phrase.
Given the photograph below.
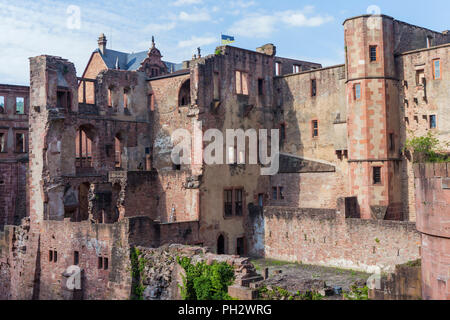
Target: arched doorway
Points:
(221, 245)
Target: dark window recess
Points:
(55, 256)
(281, 192)
(391, 142)
(261, 200)
(76, 258)
(228, 203)
(373, 53)
(240, 246)
(20, 142)
(260, 87)
(282, 133)
(105, 264)
(238, 202)
(100, 262)
(63, 99)
(376, 175)
(433, 124)
(274, 193)
(50, 255)
(313, 87)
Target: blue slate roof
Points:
(131, 61)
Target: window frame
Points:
(313, 84)
(3, 108)
(241, 81)
(355, 96)
(432, 116)
(24, 139)
(15, 106)
(313, 135)
(4, 142)
(434, 69)
(234, 202)
(374, 46)
(380, 182)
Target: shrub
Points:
(206, 282)
(427, 148)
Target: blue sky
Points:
(309, 30)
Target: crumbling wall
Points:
(432, 185)
(325, 237)
(162, 275)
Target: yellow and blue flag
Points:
(227, 39)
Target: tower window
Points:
(433, 124)
(376, 175)
(313, 87)
(315, 128)
(373, 53)
(437, 69)
(278, 68)
(357, 91)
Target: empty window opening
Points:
(110, 104)
(83, 152)
(55, 256)
(261, 87)
(76, 258)
(83, 196)
(176, 167)
(278, 68)
(357, 91)
(50, 255)
(126, 98)
(315, 128)
(313, 87)
(100, 263)
(63, 99)
(282, 133)
(339, 154)
(240, 246)
(373, 53)
(2, 142)
(118, 152)
(238, 202)
(433, 124)
(20, 105)
(241, 82)
(437, 69)
(20, 142)
(297, 68)
(184, 96)
(376, 175)
(216, 86)
(391, 142)
(151, 102)
(281, 193)
(261, 199)
(429, 42)
(420, 77)
(221, 245)
(228, 203)
(105, 263)
(2, 104)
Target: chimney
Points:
(102, 43)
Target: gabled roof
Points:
(130, 61)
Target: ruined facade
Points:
(101, 178)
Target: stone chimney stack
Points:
(102, 43)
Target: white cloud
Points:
(195, 42)
(160, 27)
(242, 4)
(180, 3)
(254, 26)
(194, 17)
(262, 26)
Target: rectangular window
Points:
(297, 68)
(55, 256)
(151, 102)
(437, 69)
(429, 42)
(238, 202)
(240, 246)
(391, 142)
(278, 68)
(376, 175)
(315, 128)
(357, 91)
(261, 200)
(76, 258)
(228, 203)
(281, 193)
(63, 99)
(282, 132)
(20, 142)
(126, 99)
(100, 263)
(20, 105)
(261, 87)
(110, 98)
(433, 124)
(274, 193)
(313, 88)
(2, 142)
(50, 255)
(420, 75)
(216, 86)
(2, 104)
(373, 53)
(241, 82)
(105, 263)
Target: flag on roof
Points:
(227, 39)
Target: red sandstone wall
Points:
(324, 237)
(433, 221)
